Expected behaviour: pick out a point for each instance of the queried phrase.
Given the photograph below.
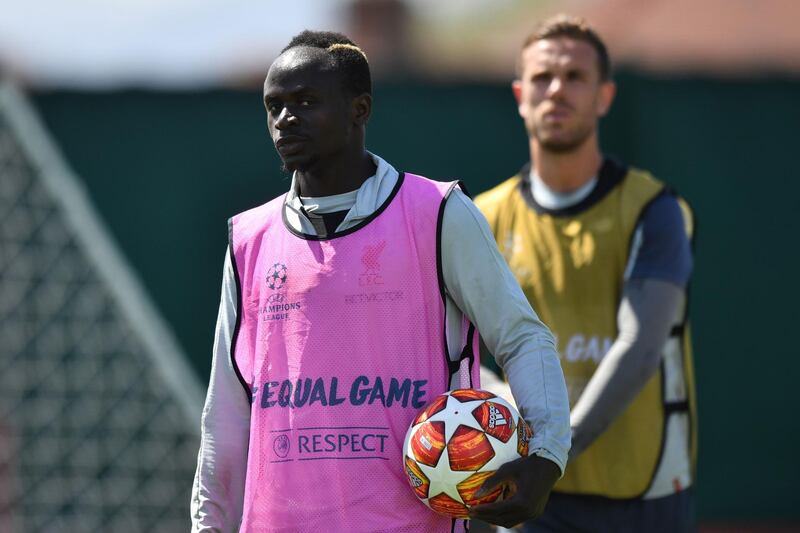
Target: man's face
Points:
(560, 94)
(308, 111)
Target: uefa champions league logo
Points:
(276, 276)
(277, 305)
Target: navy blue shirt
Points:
(661, 250)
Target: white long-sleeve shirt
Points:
(478, 284)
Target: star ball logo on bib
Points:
(276, 276)
(276, 306)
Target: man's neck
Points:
(336, 175)
(565, 172)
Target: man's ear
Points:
(361, 109)
(608, 90)
(516, 88)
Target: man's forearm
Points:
(646, 315)
(482, 286)
(218, 489)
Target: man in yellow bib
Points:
(603, 253)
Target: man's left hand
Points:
(531, 480)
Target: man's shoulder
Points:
(419, 182)
(253, 220)
(259, 211)
(663, 206)
(669, 213)
(643, 176)
(666, 197)
(498, 194)
(638, 187)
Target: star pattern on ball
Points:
(457, 414)
(438, 483)
(460, 415)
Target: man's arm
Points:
(646, 314)
(218, 490)
(652, 300)
(479, 282)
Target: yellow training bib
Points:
(571, 266)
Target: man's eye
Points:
(273, 108)
(305, 102)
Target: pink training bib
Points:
(340, 342)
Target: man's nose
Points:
(556, 86)
(285, 119)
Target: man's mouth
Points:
(558, 113)
(289, 144)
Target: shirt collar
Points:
(550, 199)
(372, 193)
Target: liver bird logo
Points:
(372, 255)
(372, 264)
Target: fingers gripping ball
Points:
(456, 442)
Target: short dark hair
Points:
(346, 57)
(574, 28)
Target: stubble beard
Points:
(570, 143)
(300, 166)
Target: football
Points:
(456, 442)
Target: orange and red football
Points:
(456, 442)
